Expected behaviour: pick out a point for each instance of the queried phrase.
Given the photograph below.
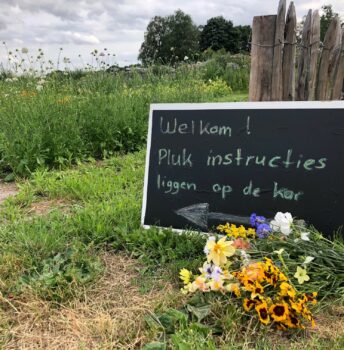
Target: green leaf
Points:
(170, 318)
(179, 343)
(154, 345)
(200, 312)
(9, 178)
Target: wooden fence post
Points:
(289, 55)
(339, 75)
(314, 55)
(304, 60)
(326, 63)
(263, 37)
(277, 85)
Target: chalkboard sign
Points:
(214, 163)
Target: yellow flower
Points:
(251, 232)
(262, 310)
(293, 322)
(249, 304)
(287, 290)
(311, 297)
(297, 306)
(233, 288)
(279, 312)
(185, 276)
(216, 285)
(224, 228)
(258, 289)
(301, 275)
(282, 277)
(219, 251)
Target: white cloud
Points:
(79, 26)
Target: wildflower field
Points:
(78, 272)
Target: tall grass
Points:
(61, 119)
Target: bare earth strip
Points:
(7, 190)
(110, 317)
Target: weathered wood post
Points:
(262, 51)
(289, 55)
(277, 72)
(302, 89)
(323, 91)
(314, 55)
(339, 74)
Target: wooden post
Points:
(339, 76)
(289, 55)
(314, 55)
(277, 85)
(326, 62)
(263, 37)
(304, 60)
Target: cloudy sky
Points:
(79, 26)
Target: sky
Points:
(80, 26)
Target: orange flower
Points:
(255, 271)
(239, 243)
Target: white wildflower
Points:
(282, 223)
(279, 252)
(308, 259)
(305, 236)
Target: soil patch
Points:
(111, 316)
(7, 190)
(45, 206)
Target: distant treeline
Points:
(176, 38)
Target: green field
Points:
(76, 269)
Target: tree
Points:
(151, 48)
(215, 34)
(220, 33)
(244, 38)
(170, 39)
(326, 19)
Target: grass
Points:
(76, 269)
(64, 265)
(95, 114)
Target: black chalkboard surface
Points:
(214, 163)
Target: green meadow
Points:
(76, 269)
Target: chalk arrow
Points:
(199, 214)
